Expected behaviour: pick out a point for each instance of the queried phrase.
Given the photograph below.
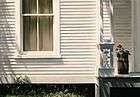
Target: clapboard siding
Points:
(78, 45)
(122, 27)
(107, 20)
(122, 23)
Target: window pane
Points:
(46, 33)
(45, 6)
(30, 33)
(29, 6)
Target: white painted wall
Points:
(79, 37)
(136, 22)
(122, 27)
(108, 35)
(78, 45)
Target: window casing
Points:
(38, 32)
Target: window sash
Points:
(56, 33)
(38, 15)
(37, 6)
(48, 46)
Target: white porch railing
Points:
(106, 60)
(106, 55)
(106, 39)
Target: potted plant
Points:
(123, 59)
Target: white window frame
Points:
(56, 34)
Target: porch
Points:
(119, 21)
(118, 86)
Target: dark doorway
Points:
(124, 92)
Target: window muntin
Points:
(37, 25)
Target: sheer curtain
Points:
(30, 33)
(29, 26)
(45, 28)
(29, 6)
(46, 34)
(45, 6)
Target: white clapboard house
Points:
(61, 41)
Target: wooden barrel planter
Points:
(123, 62)
(123, 68)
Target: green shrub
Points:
(22, 80)
(46, 90)
(57, 94)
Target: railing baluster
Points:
(106, 55)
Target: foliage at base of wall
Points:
(47, 90)
(57, 94)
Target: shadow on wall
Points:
(7, 40)
(9, 65)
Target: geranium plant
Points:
(123, 60)
(121, 52)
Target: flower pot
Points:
(126, 64)
(123, 60)
(120, 64)
(122, 67)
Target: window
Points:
(39, 29)
(37, 25)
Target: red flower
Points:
(119, 46)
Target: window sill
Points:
(35, 54)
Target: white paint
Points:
(56, 33)
(78, 29)
(107, 20)
(137, 35)
(122, 27)
(131, 68)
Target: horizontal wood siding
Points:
(122, 23)
(78, 33)
(107, 20)
(122, 28)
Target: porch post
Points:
(136, 32)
